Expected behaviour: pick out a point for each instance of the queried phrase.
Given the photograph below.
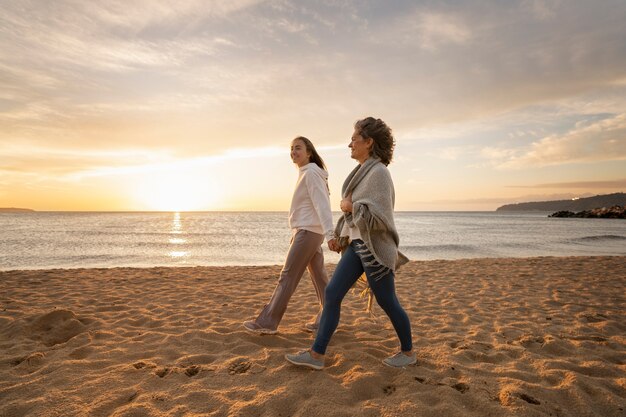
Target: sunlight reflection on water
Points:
(177, 229)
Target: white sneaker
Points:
(304, 358)
(400, 360)
(255, 328)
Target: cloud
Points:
(453, 153)
(75, 164)
(543, 9)
(420, 29)
(436, 29)
(495, 153)
(110, 35)
(60, 59)
(614, 184)
(604, 140)
(54, 161)
(216, 74)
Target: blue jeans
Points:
(348, 270)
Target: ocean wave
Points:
(600, 238)
(441, 248)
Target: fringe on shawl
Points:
(361, 285)
(369, 261)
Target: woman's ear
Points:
(370, 145)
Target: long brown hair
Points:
(315, 157)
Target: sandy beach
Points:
(494, 337)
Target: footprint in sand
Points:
(239, 367)
(458, 345)
(461, 387)
(506, 398)
(530, 341)
(588, 338)
(528, 399)
(389, 389)
(595, 318)
(142, 364)
(30, 362)
(192, 370)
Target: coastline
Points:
(494, 336)
(330, 266)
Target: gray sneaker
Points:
(400, 360)
(255, 328)
(304, 358)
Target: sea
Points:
(43, 240)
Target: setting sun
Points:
(175, 192)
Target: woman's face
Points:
(299, 155)
(359, 147)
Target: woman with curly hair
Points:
(367, 235)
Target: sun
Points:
(176, 191)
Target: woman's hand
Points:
(346, 204)
(333, 245)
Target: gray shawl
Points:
(373, 199)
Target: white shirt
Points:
(310, 205)
(353, 233)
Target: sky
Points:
(192, 105)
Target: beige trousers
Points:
(305, 252)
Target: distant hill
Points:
(589, 203)
(14, 210)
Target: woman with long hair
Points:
(369, 241)
(310, 219)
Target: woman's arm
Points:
(346, 204)
(370, 210)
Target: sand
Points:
(494, 337)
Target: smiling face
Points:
(360, 148)
(299, 154)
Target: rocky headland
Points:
(615, 212)
(575, 205)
